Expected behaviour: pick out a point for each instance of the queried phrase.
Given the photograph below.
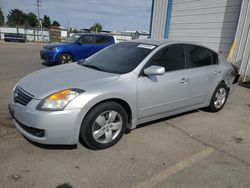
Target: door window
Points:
(171, 58)
(87, 39)
(197, 56)
(103, 39)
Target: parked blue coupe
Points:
(74, 48)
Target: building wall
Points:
(31, 34)
(241, 55)
(210, 22)
(158, 18)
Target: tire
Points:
(219, 98)
(65, 58)
(104, 125)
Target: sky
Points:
(114, 15)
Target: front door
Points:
(163, 94)
(84, 47)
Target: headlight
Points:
(58, 101)
(50, 48)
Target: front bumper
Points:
(48, 55)
(55, 128)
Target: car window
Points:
(103, 39)
(197, 56)
(171, 58)
(86, 39)
(120, 58)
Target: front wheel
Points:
(219, 98)
(104, 125)
(65, 58)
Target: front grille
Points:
(32, 130)
(21, 97)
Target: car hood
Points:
(50, 80)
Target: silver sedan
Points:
(118, 88)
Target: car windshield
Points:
(120, 58)
(71, 39)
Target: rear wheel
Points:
(104, 125)
(65, 58)
(219, 98)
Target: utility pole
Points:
(38, 15)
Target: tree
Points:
(16, 17)
(1, 17)
(55, 23)
(46, 21)
(31, 18)
(97, 27)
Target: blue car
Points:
(74, 48)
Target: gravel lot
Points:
(196, 149)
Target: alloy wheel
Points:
(107, 127)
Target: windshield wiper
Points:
(92, 67)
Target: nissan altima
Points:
(116, 89)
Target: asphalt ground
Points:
(195, 149)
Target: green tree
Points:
(46, 21)
(97, 27)
(55, 23)
(1, 17)
(31, 18)
(16, 17)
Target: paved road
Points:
(196, 149)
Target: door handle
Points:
(184, 80)
(217, 72)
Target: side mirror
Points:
(154, 70)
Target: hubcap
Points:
(107, 127)
(220, 97)
(66, 59)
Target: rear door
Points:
(204, 71)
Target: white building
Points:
(214, 23)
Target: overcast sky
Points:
(115, 15)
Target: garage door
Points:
(212, 22)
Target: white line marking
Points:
(153, 180)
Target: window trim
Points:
(141, 74)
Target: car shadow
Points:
(245, 85)
(71, 147)
(47, 64)
(166, 118)
(52, 147)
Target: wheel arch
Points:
(121, 102)
(64, 52)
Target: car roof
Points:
(94, 34)
(159, 42)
